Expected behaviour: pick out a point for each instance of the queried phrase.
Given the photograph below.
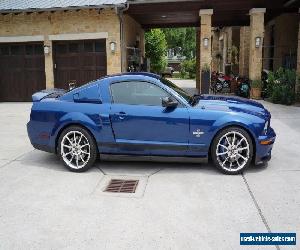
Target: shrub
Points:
(281, 86)
(188, 68)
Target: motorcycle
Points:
(243, 88)
(264, 80)
(219, 82)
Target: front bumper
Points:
(264, 147)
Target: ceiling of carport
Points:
(178, 13)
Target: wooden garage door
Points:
(80, 61)
(22, 70)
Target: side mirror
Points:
(169, 102)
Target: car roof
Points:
(148, 74)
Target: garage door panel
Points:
(67, 62)
(34, 62)
(22, 70)
(81, 61)
(88, 60)
(100, 62)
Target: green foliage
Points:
(188, 69)
(256, 84)
(297, 98)
(206, 68)
(234, 55)
(156, 49)
(185, 38)
(281, 86)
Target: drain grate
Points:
(121, 186)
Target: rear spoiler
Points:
(47, 93)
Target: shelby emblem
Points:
(198, 133)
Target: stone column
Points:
(197, 58)
(205, 51)
(256, 30)
(267, 48)
(49, 65)
(298, 61)
(215, 50)
(244, 51)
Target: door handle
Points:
(121, 115)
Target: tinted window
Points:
(88, 46)
(16, 50)
(29, 49)
(38, 49)
(180, 91)
(137, 93)
(61, 48)
(73, 47)
(100, 46)
(4, 50)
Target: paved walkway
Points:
(179, 206)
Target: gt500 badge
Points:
(198, 133)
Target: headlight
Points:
(266, 127)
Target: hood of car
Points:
(232, 104)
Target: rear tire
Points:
(77, 149)
(232, 150)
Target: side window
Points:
(137, 93)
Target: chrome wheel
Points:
(233, 151)
(75, 149)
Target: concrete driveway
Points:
(178, 206)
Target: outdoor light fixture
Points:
(205, 42)
(257, 42)
(113, 47)
(46, 49)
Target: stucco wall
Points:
(60, 22)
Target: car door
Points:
(141, 125)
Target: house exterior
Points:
(44, 45)
(47, 44)
(280, 45)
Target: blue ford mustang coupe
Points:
(141, 116)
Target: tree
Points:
(156, 49)
(185, 38)
(175, 37)
(189, 46)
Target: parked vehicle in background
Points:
(243, 87)
(168, 72)
(142, 116)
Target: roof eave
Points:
(104, 6)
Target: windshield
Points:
(179, 90)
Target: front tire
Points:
(232, 150)
(77, 149)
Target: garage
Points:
(78, 61)
(22, 70)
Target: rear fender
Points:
(74, 118)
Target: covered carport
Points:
(206, 14)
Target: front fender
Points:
(252, 124)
